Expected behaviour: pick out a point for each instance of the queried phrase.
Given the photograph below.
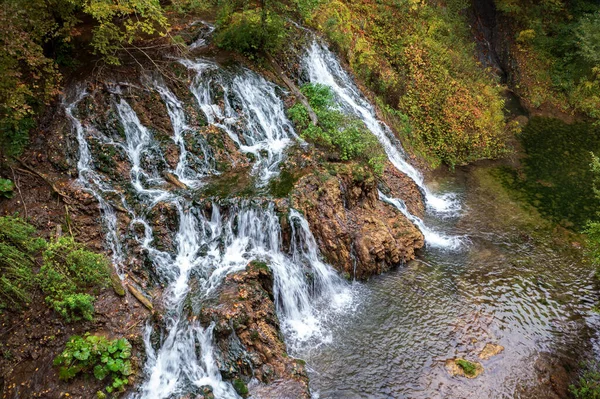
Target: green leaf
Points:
(112, 365)
(100, 372)
(66, 373)
(127, 369)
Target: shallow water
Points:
(512, 285)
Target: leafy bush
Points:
(418, 57)
(559, 63)
(250, 31)
(18, 248)
(6, 188)
(588, 386)
(337, 132)
(74, 307)
(69, 269)
(98, 355)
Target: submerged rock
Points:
(463, 368)
(248, 340)
(490, 350)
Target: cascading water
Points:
(206, 164)
(210, 244)
(432, 238)
(323, 67)
(251, 113)
(95, 184)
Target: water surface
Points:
(517, 283)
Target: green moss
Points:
(240, 387)
(236, 183)
(469, 368)
(257, 265)
(283, 185)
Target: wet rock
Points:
(396, 184)
(357, 233)
(248, 341)
(490, 350)
(552, 375)
(171, 178)
(463, 368)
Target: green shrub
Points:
(94, 354)
(588, 386)
(69, 270)
(7, 188)
(74, 307)
(250, 31)
(337, 132)
(18, 247)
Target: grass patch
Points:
(68, 272)
(18, 250)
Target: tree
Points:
(29, 74)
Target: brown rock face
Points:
(396, 184)
(356, 232)
(247, 336)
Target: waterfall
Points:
(213, 241)
(209, 244)
(247, 107)
(95, 184)
(323, 67)
(180, 128)
(432, 237)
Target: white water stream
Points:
(324, 68)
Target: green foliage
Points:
(7, 188)
(469, 368)
(588, 386)
(67, 272)
(592, 229)
(557, 53)
(38, 36)
(418, 58)
(192, 6)
(95, 354)
(121, 22)
(588, 37)
(18, 248)
(345, 136)
(250, 31)
(240, 387)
